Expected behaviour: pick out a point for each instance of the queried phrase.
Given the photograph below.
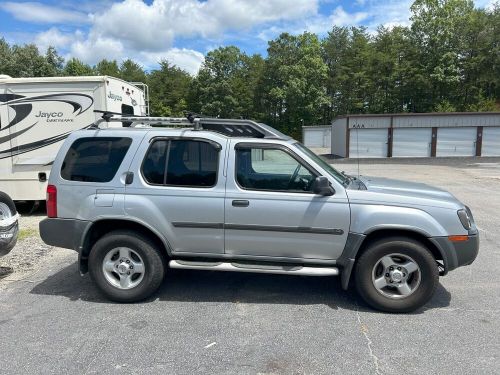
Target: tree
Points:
(438, 31)
(246, 86)
(293, 82)
(75, 67)
(132, 72)
(169, 87)
(107, 68)
(6, 59)
(347, 53)
(392, 71)
(27, 62)
(226, 83)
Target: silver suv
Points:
(235, 195)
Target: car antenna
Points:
(357, 148)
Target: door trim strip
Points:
(188, 224)
(261, 228)
(280, 228)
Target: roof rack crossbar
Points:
(171, 121)
(229, 127)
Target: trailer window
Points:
(127, 110)
(94, 159)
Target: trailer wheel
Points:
(9, 226)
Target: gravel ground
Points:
(54, 321)
(30, 251)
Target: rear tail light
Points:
(51, 201)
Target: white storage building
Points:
(318, 138)
(412, 135)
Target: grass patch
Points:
(26, 233)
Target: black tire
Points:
(8, 235)
(145, 248)
(424, 290)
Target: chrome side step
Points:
(257, 268)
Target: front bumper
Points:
(457, 254)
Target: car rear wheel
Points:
(127, 267)
(396, 275)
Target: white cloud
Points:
(486, 4)
(389, 13)
(92, 50)
(41, 13)
(243, 14)
(147, 32)
(318, 24)
(154, 27)
(187, 59)
(340, 17)
(53, 37)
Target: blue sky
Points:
(182, 31)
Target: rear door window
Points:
(189, 163)
(95, 159)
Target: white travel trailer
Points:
(37, 114)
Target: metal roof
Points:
(10, 80)
(417, 114)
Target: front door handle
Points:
(240, 203)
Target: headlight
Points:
(465, 218)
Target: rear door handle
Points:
(240, 203)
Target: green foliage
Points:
(227, 82)
(54, 62)
(75, 67)
(169, 87)
(6, 61)
(293, 82)
(108, 68)
(444, 106)
(132, 72)
(448, 59)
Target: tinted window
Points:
(94, 159)
(153, 167)
(127, 110)
(271, 169)
(181, 163)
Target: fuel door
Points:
(104, 197)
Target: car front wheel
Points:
(126, 267)
(396, 275)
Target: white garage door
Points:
(491, 141)
(317, 137)
(456, 141)
(368, 143)
(411, 142)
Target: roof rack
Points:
(227, 127)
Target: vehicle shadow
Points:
(211, 286)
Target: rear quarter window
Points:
(95, 159)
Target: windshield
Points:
(323, 164)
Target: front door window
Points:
(271, 169)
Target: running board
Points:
(257, 268)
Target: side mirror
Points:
(322, 186)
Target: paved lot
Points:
(53, 321)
